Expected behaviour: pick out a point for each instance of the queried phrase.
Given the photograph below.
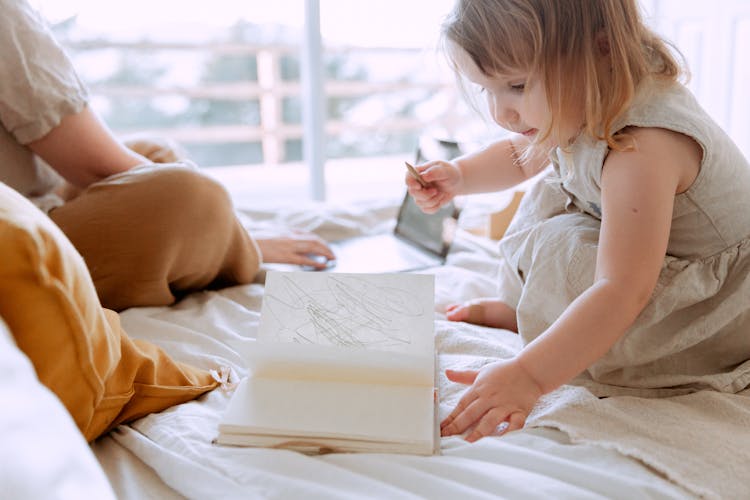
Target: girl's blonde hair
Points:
(561, 42)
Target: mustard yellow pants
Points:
(153, 234)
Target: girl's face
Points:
(516, 102)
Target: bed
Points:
(574, 446)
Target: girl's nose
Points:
(503, 112)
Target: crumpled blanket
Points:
(699, 442)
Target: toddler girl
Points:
(627, 269)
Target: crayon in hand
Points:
(413, 172)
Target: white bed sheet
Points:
(170, 454)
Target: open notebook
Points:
(342, 362)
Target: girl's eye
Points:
(518, 87)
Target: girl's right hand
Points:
(443, 180)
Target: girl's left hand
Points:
(500, 392)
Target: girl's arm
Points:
(498, 166)
(638, 190)
(83, 150)
(493, 168)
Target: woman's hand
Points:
(295, 247)
(443, 180)
(500, 392)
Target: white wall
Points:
(714, 37)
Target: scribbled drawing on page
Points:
(344, 310)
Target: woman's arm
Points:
(83, 150)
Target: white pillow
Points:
(42, 452)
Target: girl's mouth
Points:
(530, 133)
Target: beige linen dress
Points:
(695, 331)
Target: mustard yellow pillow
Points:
(77, 347)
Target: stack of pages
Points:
(342, 362)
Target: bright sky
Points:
(402, 23)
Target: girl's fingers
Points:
(457, 312)
(494, 419)
(516, 421)
(459, 421)
(465, 377)
(487, 425)
(432, 206)
(423, 198)
(412, 185)
(465, 400)
(429, 199)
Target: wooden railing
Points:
(269, 90)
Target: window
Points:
(222, 78)
(194, 71)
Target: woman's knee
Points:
(189, 198)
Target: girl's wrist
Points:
(461, 190)
(535, 378)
